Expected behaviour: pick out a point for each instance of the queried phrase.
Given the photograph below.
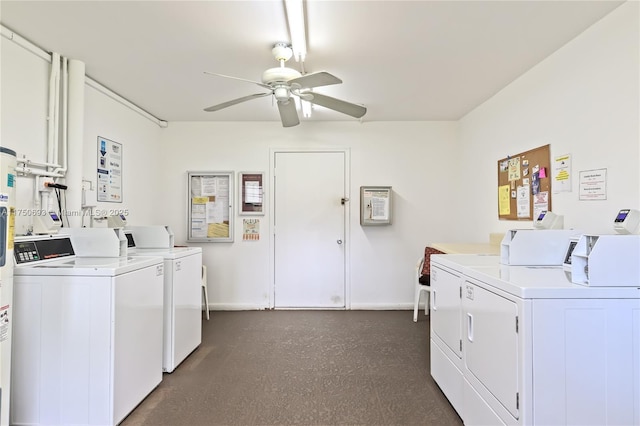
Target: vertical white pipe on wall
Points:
(51, 123)
(65, 109)
(75, 135)
(56, 115)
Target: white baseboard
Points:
(236, 307)
(381, 306)
(354, 307)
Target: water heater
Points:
(7, 225)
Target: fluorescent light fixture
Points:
(295, 18)
(306, 108)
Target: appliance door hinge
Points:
(460, 345)
(516, 324)
(517, 400)
(460, 292)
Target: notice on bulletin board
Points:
(514, 169)
(523, 201)
(109, 171)
(503, 199)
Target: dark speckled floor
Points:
(303, 368)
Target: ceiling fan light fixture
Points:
(281, 93)
(297, 31)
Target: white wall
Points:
(24, 95)
(583, 100)
(411, 157)
(142, 171)
(23, 124)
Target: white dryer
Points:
(87, 334)
(182, 295)
(535, 348)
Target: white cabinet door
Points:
(445, 307)
(137, 338)
(183, 333)
(586, 362)
(491, 342)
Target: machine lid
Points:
(91, 266)
(167, 253)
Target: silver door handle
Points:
(339, 241)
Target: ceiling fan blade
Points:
(236, 101)
(354, 110)
(306, 96)
(315, 79)
(238, 78)
(288, 113)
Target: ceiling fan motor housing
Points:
(279, 75)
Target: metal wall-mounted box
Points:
(376, 205)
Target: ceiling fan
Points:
(284, 83)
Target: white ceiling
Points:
(404, 60)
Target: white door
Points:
(183, 331)
(491, 343)
(445, 308)
(309, 219)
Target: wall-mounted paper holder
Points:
(376, 205)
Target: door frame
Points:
(347, 220)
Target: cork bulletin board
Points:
(524, 184)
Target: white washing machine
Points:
(87, 334)
(182, 299)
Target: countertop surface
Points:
(467, 248)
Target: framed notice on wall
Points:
(375, 205)
(210, 207)
(109, 182)
(251, 193)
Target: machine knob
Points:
(339, 241)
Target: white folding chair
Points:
(205, 295)
(419, 289)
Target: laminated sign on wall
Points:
(109, 170)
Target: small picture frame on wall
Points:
(251, 193)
